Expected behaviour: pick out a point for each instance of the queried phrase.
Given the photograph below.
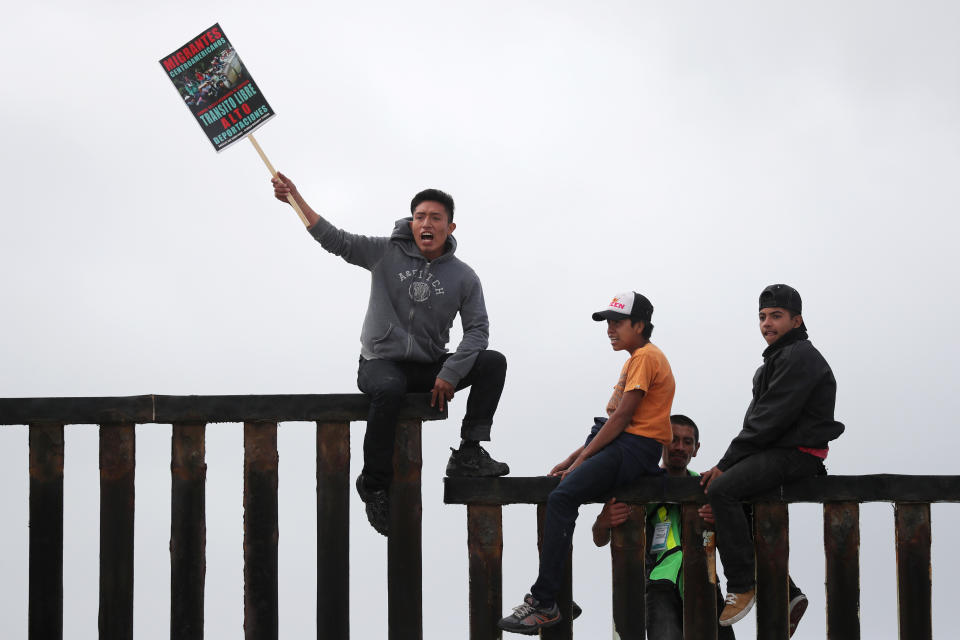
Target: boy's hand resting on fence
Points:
(613, 514)
(706, 512)
(562, 468)
(708, 477)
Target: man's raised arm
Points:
(363, 251)
(283, 187)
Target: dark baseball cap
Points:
(783, 296)
(629, 304)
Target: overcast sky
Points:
(694, 152)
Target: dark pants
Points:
(665, 612)
(595, 479)
(754, 474)
(386, 382)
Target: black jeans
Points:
(386, 382)
(752, 475)
(665, 612)
(594, 479)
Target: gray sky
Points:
(695, 152)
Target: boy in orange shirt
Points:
(620, 449)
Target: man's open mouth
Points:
(426, 235)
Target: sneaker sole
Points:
(470, 473)
(385, 532)
(525, 631)
(740, 616)
(798, 606)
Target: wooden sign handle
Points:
(293, 203)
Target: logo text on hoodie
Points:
(424, 283)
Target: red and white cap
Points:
(629, 304)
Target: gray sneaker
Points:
(530, 617)
(474, 462)
(377, 506)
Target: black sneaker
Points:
(378, 507)
(474, 462)
(530, 617)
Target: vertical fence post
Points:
(333, 530)
(913, 571)
(841, 542)
(45, 608)
(628, 549)
(404, 551)
(485, 547)
(699, 577)
(188, 530)
(117, 462)
(564, 629)
(771, 525)
(260, 531)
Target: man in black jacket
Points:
(784, 437)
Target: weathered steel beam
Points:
(699, 577)
(841, 543)
(334, 407)
(260, 531)
(404, 544)
(873, 488)
(117, 463)
(772, 530)
(564, 629)
(45, 608)
(628, 544)
(485, 552)
(333, 530)
(188, 530)
(913, 571)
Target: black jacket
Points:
(794, 393)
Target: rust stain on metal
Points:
(188, 451)
(914, 584)
(46, 452)
(117, 451)
(332, 447)
(260, 446)
(485, 551)
(841, 543)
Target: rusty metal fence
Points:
(840, 496)
(189, 415)
(484, 498)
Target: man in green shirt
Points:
(664, 586)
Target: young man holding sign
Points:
(417, 288)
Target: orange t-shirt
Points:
(647, 370)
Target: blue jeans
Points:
(625, 460)
(753, 475)
(664, 608)
(386, 382)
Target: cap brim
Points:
(609, 314)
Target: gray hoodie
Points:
(412, 301)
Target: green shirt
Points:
(665, 564)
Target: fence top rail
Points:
(161, 409)
(867, 488)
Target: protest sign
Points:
(217, 88)
(220, 93)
